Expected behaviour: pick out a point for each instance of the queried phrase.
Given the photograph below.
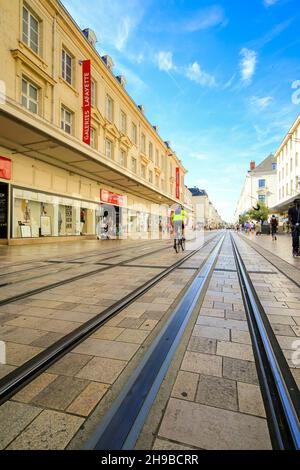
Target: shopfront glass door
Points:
(3, 210)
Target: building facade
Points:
(288, 174)
(53, 184)
(260, 186)
(204, 213)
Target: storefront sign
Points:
(111, 198)
(86, 94)
(177, 183)
(5, 168)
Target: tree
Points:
(259, 213)
(244, 217)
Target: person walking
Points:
(294, 221)
(274, 225)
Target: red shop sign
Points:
(111, 198)
(86, 96)
(5, 168)
(177, 183)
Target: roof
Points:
(266, 164)
(198, 192)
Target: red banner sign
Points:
(86, 95)
(111, 198)
(177, 183)
(5, 168)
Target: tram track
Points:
(24, 374)
(279, 389)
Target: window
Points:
(66, 67)
(151, 151)
(143, 143)
(157, 157)
(93, 93)
(134, 133)
(287, 189)
(282, 191)
(30, 96)
(93, 138)
(109, 108)
(143, 171)
(261, 183)
(274, 166)
(279, 193)
(123, 122)
(296, 158)
(122, 159)
(151, 176)
(30, 30)
(262, 198)
(133, 164)
(108, 148)
(157, 181)
(162, 184)
(66, 120)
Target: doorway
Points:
(3, 211)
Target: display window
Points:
(38, 214)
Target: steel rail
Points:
(279, 389)
(121, 426)
(18, 378)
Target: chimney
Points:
(168, 143)
(122, 80)
(91, 36)
(252, 165)
(108, 61)
(156, 128)
(141, 108)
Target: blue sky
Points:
(215, 76)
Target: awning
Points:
(285, 205)
(31, 136)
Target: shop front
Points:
(37, 214)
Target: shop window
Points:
(30, 96)
(66, 120)
(66, 66)
(31, 30)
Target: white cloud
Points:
(248, 64)
(205, 19)
(199, 156)
(261, 103)
(269, 3)
(165, 61)
(196, 74)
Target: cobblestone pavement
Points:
(48, 412)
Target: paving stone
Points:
(148, 325)
(131, 322)
(22, 416)
(5, 369)
(202, 363)
(203, 345)
(218, 392)
(296, 375)
(222, 323)
(19, 335)
(250, 399)
(70, 364)
(60, 393)
(185, 386)
(212, 312)
(287, 342)
(18, 354)
(235, 350)
(242, 337)
(101, 369)
(88, 399)
(280, 319)
(51, 430)
(239, 370)
(296, 330)
(235, 315)
(47, 340)
(108, 332)
(133, 336)
(283, 330)
(103, 348)
(212, 332)
(160, 444)
(206, 427)
(34, 388)
(43, 324)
